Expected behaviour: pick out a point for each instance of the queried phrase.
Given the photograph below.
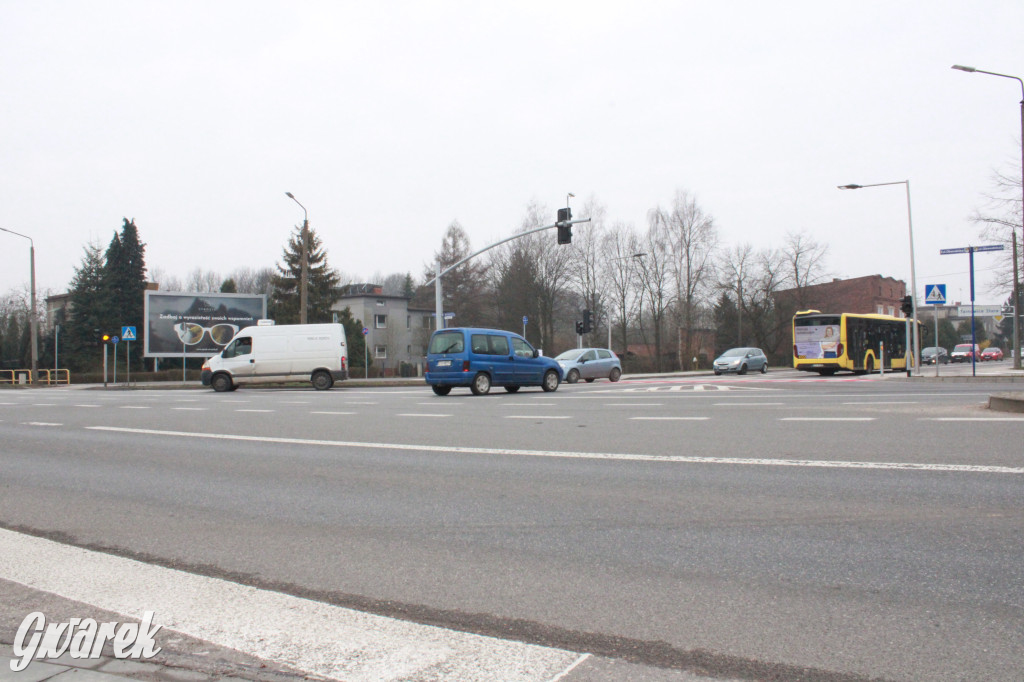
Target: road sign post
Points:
(970, 251)
(935, 294)
(128, 334)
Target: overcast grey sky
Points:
(390, 120)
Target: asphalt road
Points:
(757, 527)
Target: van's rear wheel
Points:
(221, 383)
(442, 390)
(481, 384)
(322, 380)
(550, 382)
(511, 389)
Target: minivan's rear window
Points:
(447, 342)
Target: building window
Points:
(408, 321)
(380, 302)
(892, 310)
(880, 309)
(380, 352)
(380, 321)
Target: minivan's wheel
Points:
(616, 373)
(743, 369)
(481, 384)
(221, 383)
(764, 368)
(442, 390)
(589, 380)
(322, 380)
(511, 389)
(550, 381)
(572, 377)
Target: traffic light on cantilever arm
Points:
(564, 226)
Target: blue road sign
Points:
(128, 333)
(935, 294)
(969, 249)
(365, 331)
(525, 319)
(114, 339)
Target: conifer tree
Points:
(322, 286)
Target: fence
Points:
(44, 377)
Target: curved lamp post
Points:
(304, 273)
(1016, 275)
(913, 275)
(33, 322)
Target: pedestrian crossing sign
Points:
(128, 334)
(935, 294)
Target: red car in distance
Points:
(992, 353)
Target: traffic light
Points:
(579, 329)
(564, 227)
(907, 305)
(588, 322)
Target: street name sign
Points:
(979, 310)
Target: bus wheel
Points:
(826, 372)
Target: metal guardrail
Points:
(44, 377)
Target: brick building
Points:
(872, 294)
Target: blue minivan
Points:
(481, 358)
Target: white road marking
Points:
(884, 402)
(682, 459)
(633, 404)
(536, 416)
(83, 405)
(194, 409)
(827, 419)
(135, 407)
(421, 414)
(42, 424)
(320, 639)
(655, 419)
(745, 404)
(973, 419)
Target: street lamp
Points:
(1016, 275)
(33, 322)
(304, 275)
(913, 275)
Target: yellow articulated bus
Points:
(828, 342)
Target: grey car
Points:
(589, 364)
(741, 361)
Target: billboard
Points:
(197, 325)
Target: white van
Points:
(269, 353)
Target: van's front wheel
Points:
(221, 383)
(322, 380)
(441, 390)
(550, 382)
(481, 384)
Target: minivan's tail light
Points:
(465, 365)
(344, 363)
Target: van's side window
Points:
(522, 348)
(242, 346)
(489, 344)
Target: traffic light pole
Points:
(439, 306)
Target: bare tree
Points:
(805, 259)
(586, 265)
(999, 220)
(691, 238)
(165, 280)
(736, 275)
(620, 250)
(656, 288)
(203, 281)
(253, 281)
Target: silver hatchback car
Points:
(741, 360)
(589, 364)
